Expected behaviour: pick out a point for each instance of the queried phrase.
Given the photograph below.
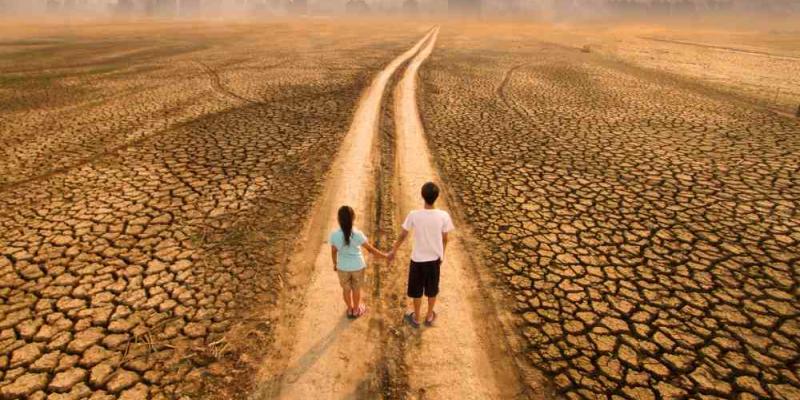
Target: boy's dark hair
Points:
(430, 192)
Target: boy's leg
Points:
(431, 303)
(432, 286)
(417, 308)
(416, 284)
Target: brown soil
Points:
(145, 212)
(626, 198)
(644, 223)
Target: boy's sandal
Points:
(410, 320)
(429, 321)
(361, 310)
(350, 313)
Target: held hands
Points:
(382, 254)
(387, 255)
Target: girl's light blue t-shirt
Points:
(349, 257)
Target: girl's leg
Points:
(346, 295)
(356, 298)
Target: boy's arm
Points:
(334, 251)
(398, 243)
(448, 226)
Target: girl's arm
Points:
(373, 250)
(334, 251)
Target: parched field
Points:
(637, 204)
(154, 176)
(645, 224)
(756, 58)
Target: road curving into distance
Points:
(318, 352)
(463, 356)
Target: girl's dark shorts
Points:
(423, 278)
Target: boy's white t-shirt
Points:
(428, 226)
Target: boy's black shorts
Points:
(423, 278)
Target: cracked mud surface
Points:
(755, 59)
(152, 188)
(645, 228)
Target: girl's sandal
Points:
(361, 310)
(429, 321)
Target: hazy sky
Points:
(338, 5)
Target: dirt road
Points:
(462, 356)
(330, 356)
(321, 354)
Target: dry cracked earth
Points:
(645, 227)
(154, 176)
(642, 225)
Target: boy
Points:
(430, 227)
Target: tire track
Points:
(466, 355)
(714, 47)
(219, 87)
(501, 92)
(518, 108)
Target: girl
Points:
(348, 261)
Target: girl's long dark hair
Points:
(346, 217)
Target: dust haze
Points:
(561, 9)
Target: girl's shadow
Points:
(294, 372)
